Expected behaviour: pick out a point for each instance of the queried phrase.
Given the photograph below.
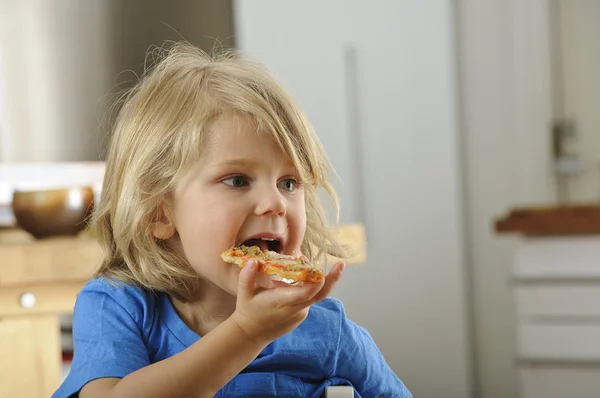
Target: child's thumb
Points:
(247, 279)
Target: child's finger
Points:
(276, 283)
(247, 280)
(264, 281)
(293, 295)
(332, 278)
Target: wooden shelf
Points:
(583, 219)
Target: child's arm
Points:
(199, 371)
(205, 367)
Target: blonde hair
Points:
(159, 134)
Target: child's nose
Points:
(270, 202)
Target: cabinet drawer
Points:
(48, 260)
(38, 299)
(540, 381)
(559, 342)
(558, 299)
(31, 356)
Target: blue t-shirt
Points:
(120, 329)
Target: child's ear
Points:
(162, 227)
(162, 230)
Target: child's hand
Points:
(266, 314)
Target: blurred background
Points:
(441, 118)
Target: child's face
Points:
(244, 189)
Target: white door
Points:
(576, 46)
(377, 81)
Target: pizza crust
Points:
(296, 269)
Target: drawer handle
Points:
(27, 300)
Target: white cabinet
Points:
(557, 298)
(377, 80)
(547, 381)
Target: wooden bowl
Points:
(53, 212)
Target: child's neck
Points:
(207, 310)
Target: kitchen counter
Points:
(581, 219)
(39, 281)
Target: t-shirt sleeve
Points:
(107, 336)
(362, 363)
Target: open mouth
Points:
(271, 244)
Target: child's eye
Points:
(236, 181)
(289, 184)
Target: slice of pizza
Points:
(290, 268)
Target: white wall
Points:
(62, 60)
(2, 108)
(578, 91)
(54, 68)
(411, 293)
(505, 109)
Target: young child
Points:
(210, 153)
